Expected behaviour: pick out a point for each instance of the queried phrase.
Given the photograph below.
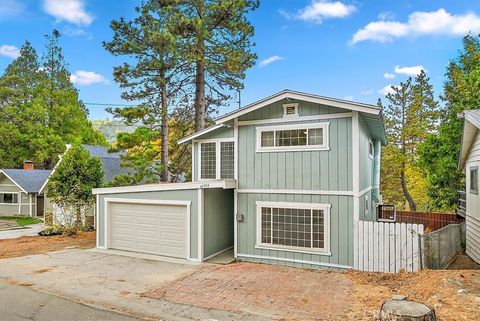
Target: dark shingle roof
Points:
(30, 180)
(110, 162)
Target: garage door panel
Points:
(149, 228)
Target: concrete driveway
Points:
(29, 230)
(110, 281)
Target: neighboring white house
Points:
(470, 163)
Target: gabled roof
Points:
(111, 162)
(470, 128)
(373, 115)
(30, 181)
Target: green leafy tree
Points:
(410, 117)
(440, 152)
(71, 184)
(216, 40)
(39, 109)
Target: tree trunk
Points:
(406, 193)
(200, 103)
(165, 130)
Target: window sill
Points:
(289, 249)
(10, 204)
(474, 192)
(278, 150)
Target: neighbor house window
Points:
(293, 137)
(217, 160)
(9, 198)
(474, 180)
(371, 149)
(297, 226)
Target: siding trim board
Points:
(293, 120)
(293, 191)
(282, 259)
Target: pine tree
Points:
(217, 41)
(154, 78)
(440, 152)
(411, 116)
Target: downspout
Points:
(376, 170)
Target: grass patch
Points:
(22, 221)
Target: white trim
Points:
(325, 126)
(364, 191)
(293, 191)
(97, 214)
(370, 143)
(200, 223)
(19, 203)
(187, 204)
(224, 183)
(369, 109)
(293, 205)
(3, 172)
(218, 253)
(294, 115)
(260, 257)
(30, 204)
(60, 157)
(218, 159)
(356, 164)
(193, 161)
(235, 191)
(200, 133)
(294, 120)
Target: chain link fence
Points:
(440, 247)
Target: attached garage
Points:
(171, 220)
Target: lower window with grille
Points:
(293, 226)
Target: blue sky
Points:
(345, 49)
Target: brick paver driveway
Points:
(261, 289)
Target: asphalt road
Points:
(20, 303)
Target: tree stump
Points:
(400, 309)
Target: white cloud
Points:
(419, 23)
(82, 77)
(268, 61)
(367, 92)
(409, 71)
(319, 10)
(72, 11)
(9, 51)
(10, 8)
(388, 75)
(387, 90)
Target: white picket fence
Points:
(387, 247)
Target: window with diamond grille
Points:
(293, 227)
(227, 161)
(208, 160)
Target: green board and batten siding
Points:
(297, 170)
(365, 173)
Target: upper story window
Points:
(290, 110)
(217, 160)
(474, 180)
(293, 137)
(8, 198)
(371, 149)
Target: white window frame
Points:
(308, 206)
(471, 169)
(326, 137)
(370, 144)
(217, 156)
(295, 115)
(13, 193)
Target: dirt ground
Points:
(29, 245)
(455, 295)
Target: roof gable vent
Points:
(290, 110)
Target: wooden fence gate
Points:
(387, 247)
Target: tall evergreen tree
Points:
(440, 152)
(411, 115)
(217, 40)
(154, 78)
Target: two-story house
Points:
(281, 180)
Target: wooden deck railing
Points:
(461, 203)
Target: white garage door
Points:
(148, 228)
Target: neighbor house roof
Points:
(470, 129)
(30, 181)
(373, 115)
(111, 162)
